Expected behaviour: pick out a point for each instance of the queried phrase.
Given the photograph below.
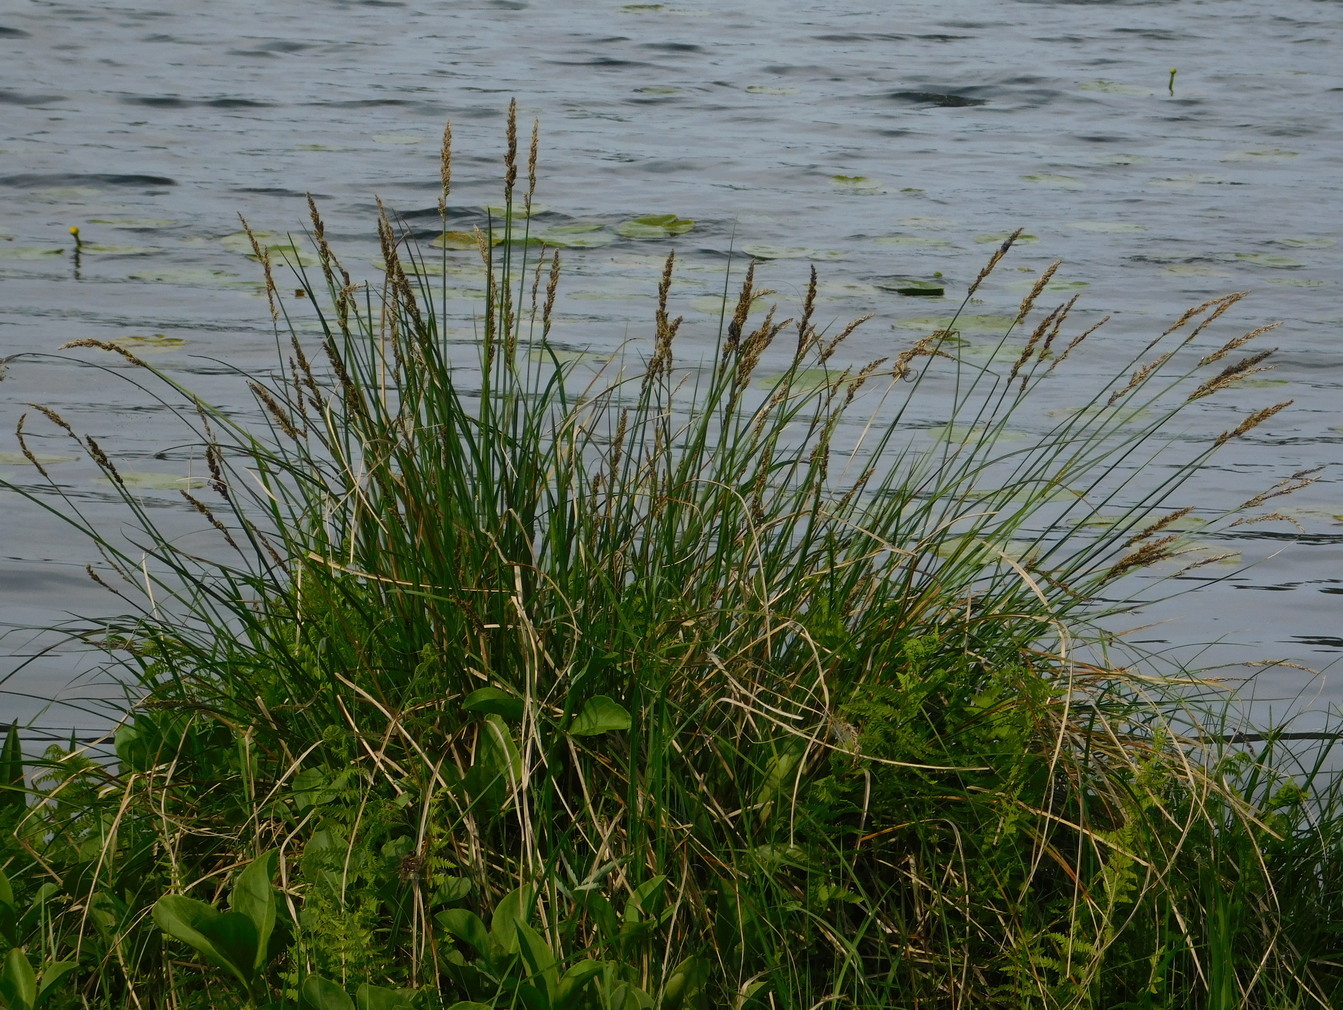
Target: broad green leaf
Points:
(469, 1005)
(203, 928)
(685, 983)
(52, 974)
(466, 926)
(6, 891)
(493, 701)
(575, 980)
(254, 897)
(629, 997)
(18, 985)
(646, 900)
(514, 908)
(376, 997)
(540, 959)
(600, 715)
(317, 993)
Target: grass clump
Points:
(507, 683)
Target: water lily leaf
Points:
(280, 247)
(520, 211)
(762, 251)
(1114, 88)
(1270, 260)
(913, 287)
(654, 226)
(656, 90)
(1262, 154)
(1193, 270)
(27, 252)
(135, 223)
(1299, 282)
(856, 184)
(924, 241)
(46, 459)
(146, 481)
(964, 323)
(802, 378)
(1054, 179)
(100, 249)
(1002, 236)
(190, 277)
(153, 342)
(577, 236)
(461, 240)
(1108, 227)
(1307, 243)
(717, 305)
(402, 139)
(764, 89)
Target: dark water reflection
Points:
(878, 141)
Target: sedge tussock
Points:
(741, 679)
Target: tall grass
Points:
(686, 681)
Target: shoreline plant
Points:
(513, 683)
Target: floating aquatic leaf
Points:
(657, 90)
(933, 223)
(520, 212)
(1299, 282)
(913, 287)
(964, 323)
(460, 240)
(1193, 179)
(577, 236)
(1194, 270)
(570, 356)
(920, 241)
(1270, 260)
(856, 184)
(190, 277)
(280, 247)
(46, 459)
(153, 342)
(780, 252)
(1114, 88)
(654, 226)
(1307, 243)
(27, 252)
(135, 223)
(403, 139)
(1108, 227)
(148, 481)
(642, 8)
(1262, 154)
(802, 378)
(1002, 236)
(99, 249)
(1054, 179)
(715, 305)
(762, 89)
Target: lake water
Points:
(875, 141)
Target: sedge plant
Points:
(687, 681)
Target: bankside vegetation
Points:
(676, 682)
